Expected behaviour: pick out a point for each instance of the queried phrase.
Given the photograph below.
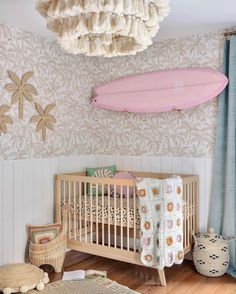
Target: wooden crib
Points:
(108, 226)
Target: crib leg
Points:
(162, 277)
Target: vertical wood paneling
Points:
(166, 164)
(155, 164)
(26, 190)
(79, 162)
(54, 170)
(208, 180)
(176, 165)
(8, 212)
(136, 163)
(102, 160)
(108, 160)
(90, 161)
(118, 160)
(1, 212)
(37, 194)
(47, 199)
(27, 167)
(146, 163)
(66, 164)
(199, 169)
(19, 225)
(187, 166)
(127, 162)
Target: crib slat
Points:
(97, 240)
(64, 192)
(80, 211)
(188, 214)
(121, 217)
(115, 229)
(69, 194)
(109, 216)
(85, 212)
(185, 215)
(134, 197)
(128, 216)
(194, 209)
(91, 213)
(103, 215)
(74, 202)
(191, 211)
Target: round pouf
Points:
(21, 278)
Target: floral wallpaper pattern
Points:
(67, 81)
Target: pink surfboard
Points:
(160, 91)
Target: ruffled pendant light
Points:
(104, 27)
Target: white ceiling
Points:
(187, 17)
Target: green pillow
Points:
(90, 171)
(100, 172)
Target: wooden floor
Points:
(180, 279)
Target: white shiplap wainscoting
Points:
(26, 190)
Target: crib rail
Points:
(103, 221)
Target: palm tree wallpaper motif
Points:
(44, 119)
(4, 119)
(21, 90)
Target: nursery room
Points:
(117, 146)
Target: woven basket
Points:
(211, 254)
(53, 252)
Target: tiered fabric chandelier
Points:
(104, 27)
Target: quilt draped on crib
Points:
(161, 212)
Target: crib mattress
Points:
(99, 210)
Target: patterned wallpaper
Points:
(67, 81)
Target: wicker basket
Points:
(211, 254)
(53, 252)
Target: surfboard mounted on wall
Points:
(160, 91)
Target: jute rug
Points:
(87, 286)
